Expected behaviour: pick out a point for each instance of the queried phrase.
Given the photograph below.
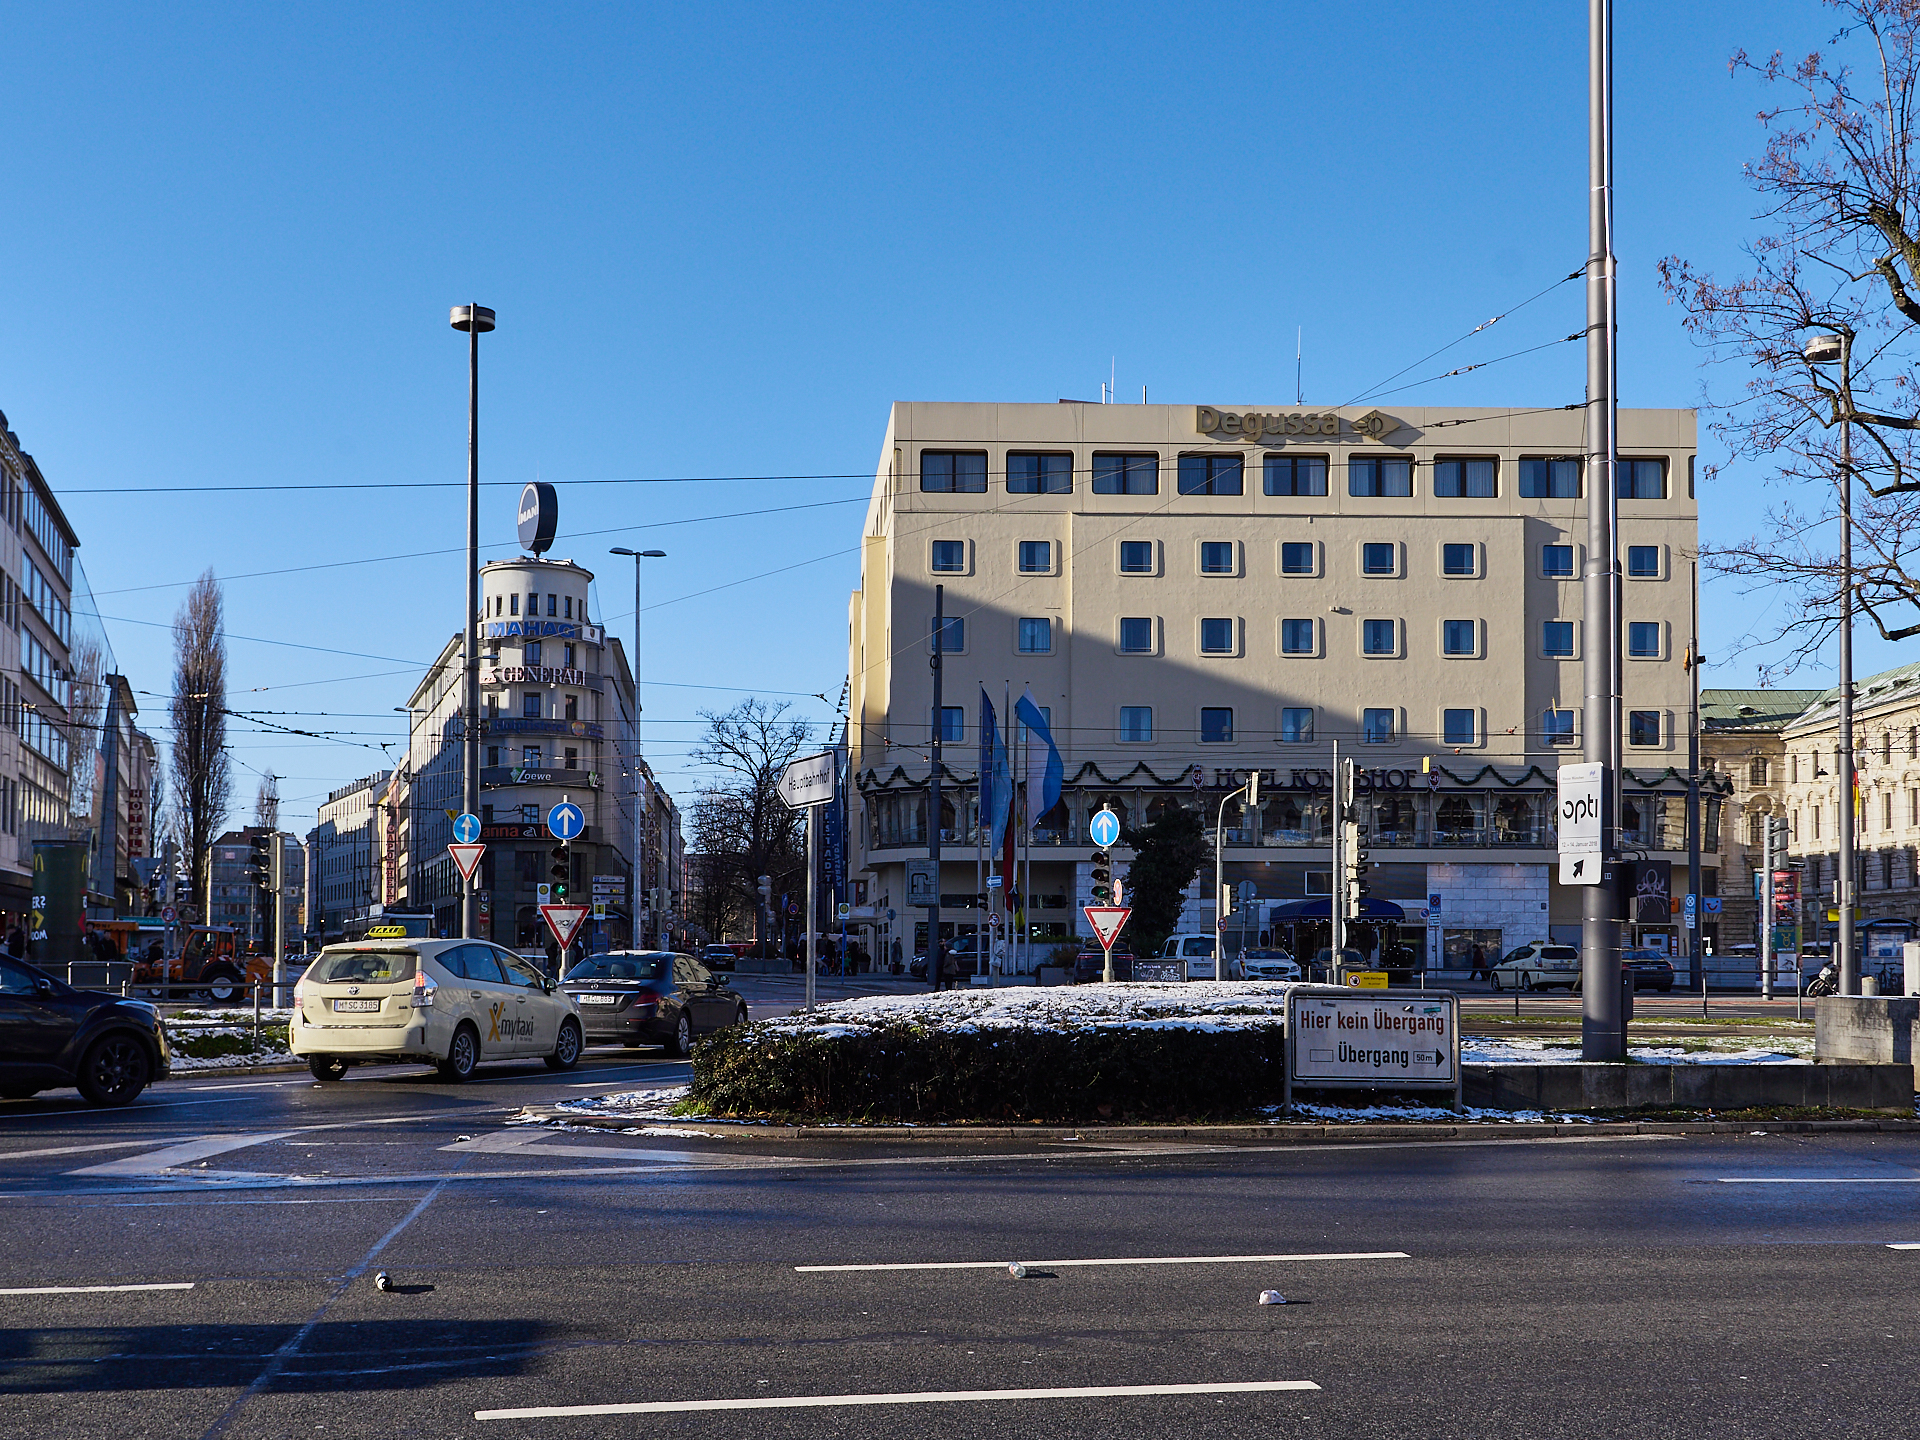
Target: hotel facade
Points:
(1193, 592)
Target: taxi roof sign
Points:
(386, 932)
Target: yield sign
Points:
(563, 921)
(1106, 921)
(467, 857)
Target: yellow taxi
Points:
(446, 1003)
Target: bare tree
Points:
(741, 828)
(202, 784)
(266, 802)
(86, 703)
(1842, 257)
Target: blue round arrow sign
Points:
(565, 821)
(466, 828)
(1104, 827)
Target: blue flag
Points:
(1044, 770)
(996, 785)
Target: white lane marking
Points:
(1124, 1260)
(1905, 1245)
(1820, 1180)
(536, 1142)
(76, 1149)
(185, 1154)
(94, 1289)
(914, 1397)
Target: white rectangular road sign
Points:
(1384, 1039)
(1582, 794)
(1579, 869)
(808, 781)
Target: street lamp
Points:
(633, 903)
(476, 320)
(1835, 347)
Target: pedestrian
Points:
(17, 942)
(1480, 971)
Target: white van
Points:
(1196, 949)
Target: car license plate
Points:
(356, 1005)
(596, 999)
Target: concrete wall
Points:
(1870, 1028)
(1703, 1087)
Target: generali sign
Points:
(1253, 427)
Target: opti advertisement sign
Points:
(1392, 1041)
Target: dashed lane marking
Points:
(1122, 1260)
(95, 1289)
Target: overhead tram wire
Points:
(1376, 389)
(1482, 364)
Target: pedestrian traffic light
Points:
(1357, 863)
(560, 870)
(260, 861)
(1102, 878)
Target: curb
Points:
(202, 1073)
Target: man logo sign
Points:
(1582, 791)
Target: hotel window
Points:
(553, 604)
(513, 604)
(1029, 474)
(1556, 562)
(1465, 479)
(1886, 810)
(1126, 474)
(493, 754)
(1460, 637)
(1643, 727)
(1216, 725)
(1459, 727)
(1379, 637)
(1458, 559)
(1757, 770)
(1556, 639)
(1296, 637)
(1136, 723)
(1136, 635)
(1643, 639)
(1296, 475)
(1643, 562)
(1036, 635)
(1296, 558)
(1550, 479)
(1216, 636)
(1377, 726)
(953, 472)
(1814, 812)
(1379, 557)
(1641, 480)
(1379, 476)
(949, 557)
(1557, 727)
(1036, 557)
(532, 653)
(530, 757)
(568, 609)
(573, 707)
(953, 724)
(566, 654)
(1216, 557)
(1296, 725)
(950, 631)
(1211, 475)
(530, 706)
(573, 758)
(1136, 557)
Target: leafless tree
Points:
(1841, 256)
(202, 784)
(87, 702)
(266, 802)
(740, 827)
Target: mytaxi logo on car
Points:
(499, 1027)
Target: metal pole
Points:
(813, 862)
(1602, 1035)
(470, 703)
(279, 921)
(639, 832)
(933, 786)
(1770, 861)
(1693, 776)
(1336, 908)
(1844, 940)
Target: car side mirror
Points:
(43, 987)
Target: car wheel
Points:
(683, 1037)
(223, 987)
(114, 1070)
(327, 1067)
(740, 1016)
(566, 1049)
(462, 1055)
(1494, 977)
(1526, 981)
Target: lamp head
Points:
(1825, 348)
(471, 317)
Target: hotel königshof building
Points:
(1195, 591)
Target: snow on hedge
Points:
(1198, 1005)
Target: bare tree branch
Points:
(203, 785)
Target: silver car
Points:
(1540, 965)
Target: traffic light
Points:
(1102, 878)
(766, 891)
(561, 871)
(260, 861)
(1356, 863)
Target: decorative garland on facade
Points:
(1711, 781)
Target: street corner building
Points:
(1192, 592)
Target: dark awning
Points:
(1321, 908)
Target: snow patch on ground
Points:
(1713, 1050)
(1360, 1114)
(627, 1104)
(1197, 1005)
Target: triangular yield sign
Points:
(467, 857)
(563, 921)
(1106, 921)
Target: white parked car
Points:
(1196, 949)
(1271, 965)
(445, 1003)
(1538, 966)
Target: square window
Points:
(1459, 727)
(1458, 559)
(1210, 475)
(1550, 479)
(1036, 557)
(1376, 726)
(1379, 637)
(949, 557)
(1643, 727)
(953, 472)
(1296, 475)
(1378, 557)
(950, 635)
(530, 706)
(1296, 557)
(1136, 722)
(1216, 637)
(1126, 474)
(1460, 637)
(1464, 479)
(1029, 474)
(953, 724)
(1379, 476)
(1136, 557)
(1036, 635)
(1557, 727)
(530, 757)
(1643, 639)
(1216, 557)
(1136, 635)
(1641, 480)
(1216, 725)
(1296, 637)
(1643, 562)
(1556, 639)
(1556, 562)
(1296, 725)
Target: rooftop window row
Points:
(1376, 558)
(1304, 636)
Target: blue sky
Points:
(722, 239)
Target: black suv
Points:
(52, 1034)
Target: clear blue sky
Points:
(722, 239)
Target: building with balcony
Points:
(345, 875)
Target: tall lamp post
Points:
(1835, 347)
(476, 320)
(638, 815)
